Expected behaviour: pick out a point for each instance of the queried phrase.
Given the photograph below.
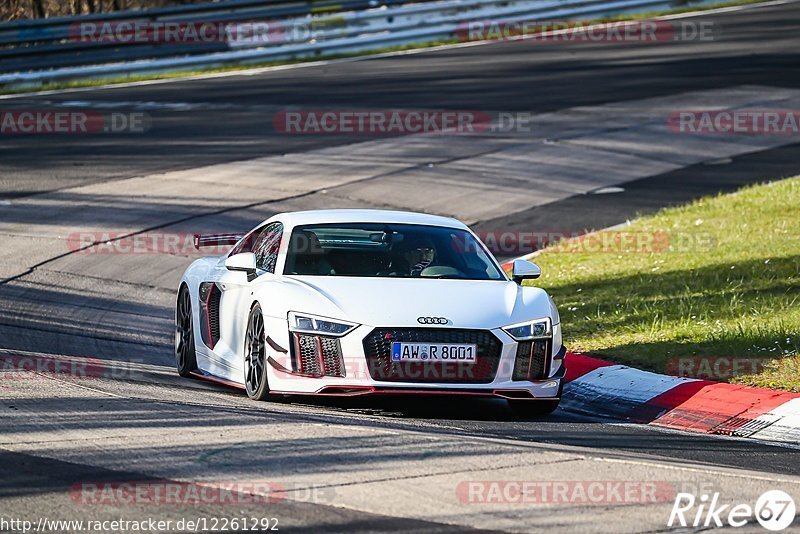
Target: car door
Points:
(236, 293)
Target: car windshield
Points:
(388, 250)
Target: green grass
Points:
(721, 278)
(76, 84)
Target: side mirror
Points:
(525, 270)
(244, 262)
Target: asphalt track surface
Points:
(233, 122)
(754, 47)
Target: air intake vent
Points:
(532, 359)
(210, 296)
(317, 355)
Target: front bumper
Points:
(358, 380)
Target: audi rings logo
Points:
(432, 320)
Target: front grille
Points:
(531, 361)
(317, 355)
(378, 351)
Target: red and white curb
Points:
(597, 387)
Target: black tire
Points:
(533, 408)
(255, 356)
(185, 354)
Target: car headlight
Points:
(303, 322)
(537, 329)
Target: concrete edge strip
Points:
(599, 387)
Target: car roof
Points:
(299, 218)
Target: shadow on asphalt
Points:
(436, 408)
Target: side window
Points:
(246, 244)
(267, 245)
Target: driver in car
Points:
(419, 255)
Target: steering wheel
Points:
(441, 271)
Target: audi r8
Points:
(368, 302)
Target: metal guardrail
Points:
(51, 43)
(307, 36)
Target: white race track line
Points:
(278, 68)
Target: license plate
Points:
(434, 352)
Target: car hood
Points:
(400, 302)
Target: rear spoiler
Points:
(216, 240)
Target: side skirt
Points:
(217, 380)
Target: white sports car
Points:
(358, 302)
